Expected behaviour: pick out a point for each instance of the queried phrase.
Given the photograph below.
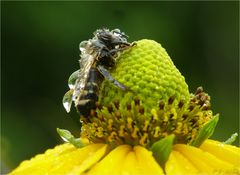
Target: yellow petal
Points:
(59, 160)
(177, 164)
(112, 163)
(203, 161)
(223, 151)
(146, 162)
(33, 164)
(130, 164)
(90, 161)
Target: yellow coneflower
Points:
(156, 128)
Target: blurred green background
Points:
(39, 49)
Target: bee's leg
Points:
(118, 42)
(124, 44)
(108, 76)
(122, 48)
(116, 50)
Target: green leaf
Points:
(162, 149)
(206, 131)
(231, 139)
(68, 137)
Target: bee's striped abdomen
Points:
(90, 93)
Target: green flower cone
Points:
(149, 73)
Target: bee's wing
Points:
(86, 63)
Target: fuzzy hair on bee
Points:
(98, 56)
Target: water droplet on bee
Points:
(72, 79)
(82, 45)
(67, 100)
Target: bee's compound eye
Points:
(82, 45)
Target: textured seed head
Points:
(150, 74)
(156, 105)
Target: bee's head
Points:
(118, 33)
(110, 37)
(103, 34)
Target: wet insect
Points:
(98, 56)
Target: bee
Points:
(98, 56)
